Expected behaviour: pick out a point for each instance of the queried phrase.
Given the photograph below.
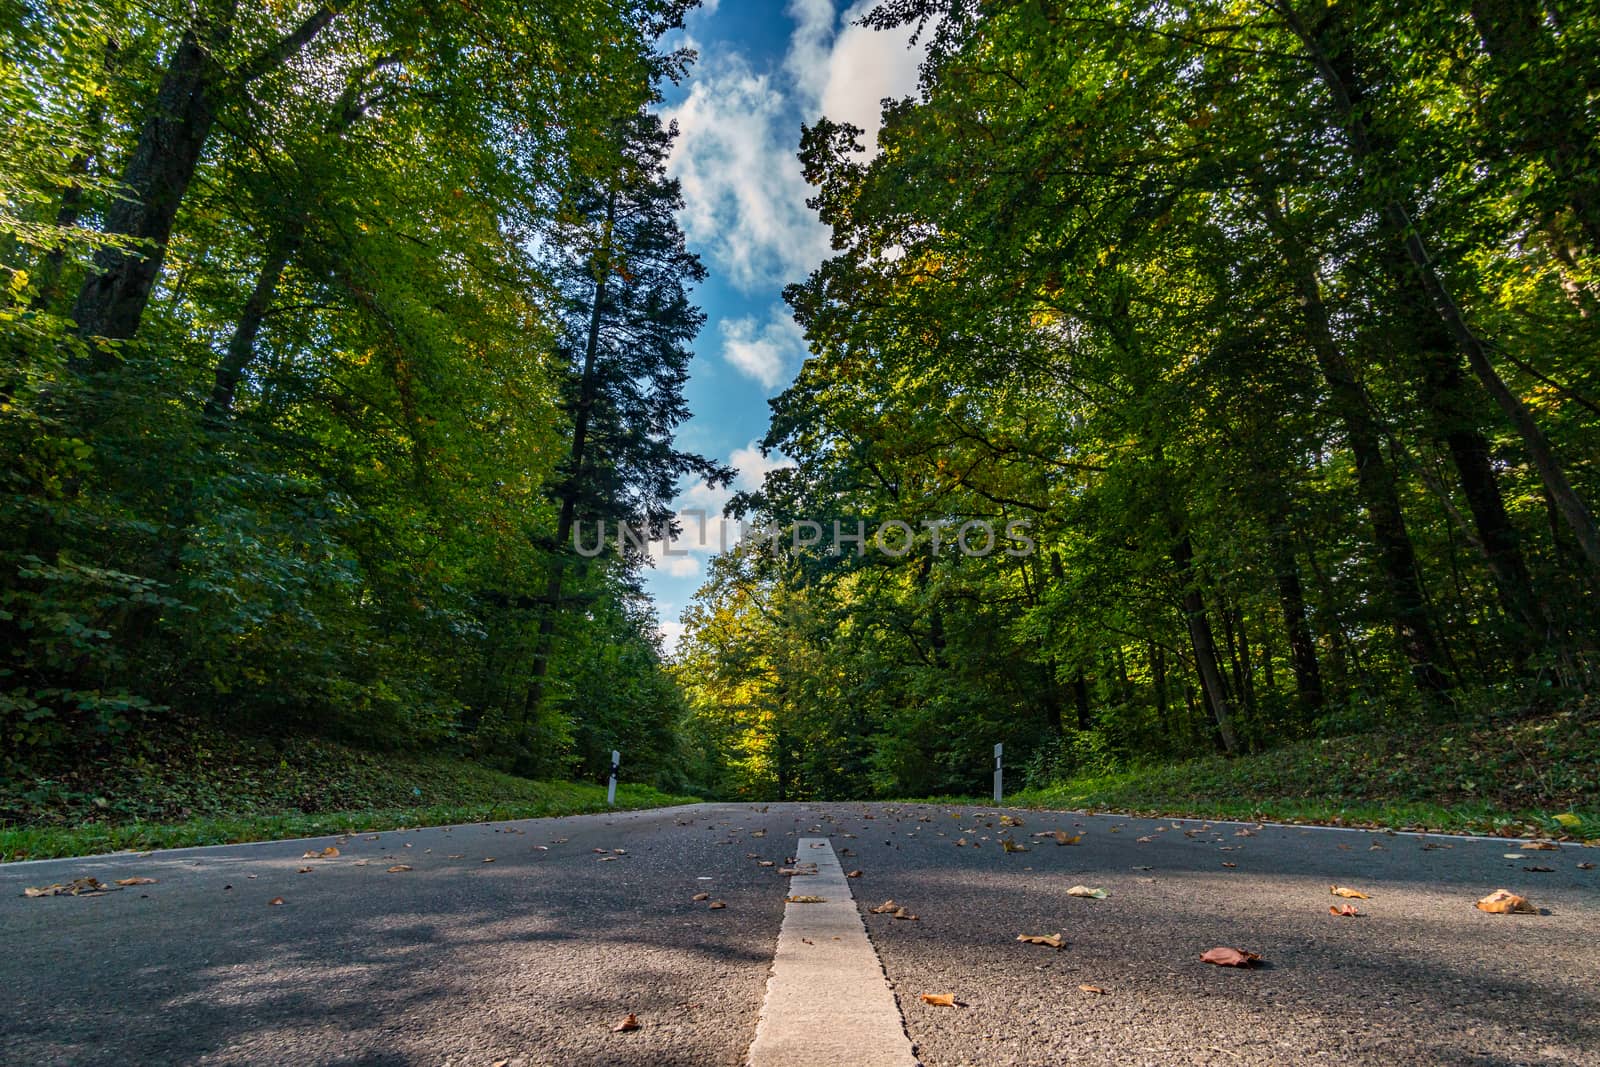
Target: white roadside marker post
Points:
(997, 749)
(611, 790)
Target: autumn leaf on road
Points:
(1505, 902)
(888, 907)
(136, 881)
(940, 1000)
(1062, 838)
(1087, 892)
(1541, 846)
(1347, 910)
(274, 902)
(397, 868)
(1010, 820)
(1230, 957)
(630, 1022)
(78, 887)
(853, 874)
(716, 905)
(701, 896)
(1096, 990)
(805, 900)
(1011, 846)
(1050, 940)
(1346, 891)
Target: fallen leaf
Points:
(78, 887)
(631, 1022)
(805, 900)
(1230, 957)
(766, 863)
(1143, 840)
(1345, 891)
(853, 874)
(961, 842)
(1347, 910)
(940, 1000)
(274, 902)
(136, 881)
(888, 907)
(1505, 902)
(1541, 846)
(1585, 866)
(1011, 846)
(1096, 990)
(1085, 891)
(1010, 820)
(1569, 820)
(397, 868)
(701, 896)
(716, 905)
(1050, 940)
(901, 913)
(305, 870)
(1226, 864)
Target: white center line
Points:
(827, 999)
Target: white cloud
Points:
(671, 631)
(766, 352)
(743, 190)
(739, 130)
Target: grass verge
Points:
(1537, 777)
(200, 787)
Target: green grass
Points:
(1501, 776)
(556, 798)
(196, 786)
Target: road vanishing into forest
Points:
(530, 942)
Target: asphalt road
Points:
(538, 954)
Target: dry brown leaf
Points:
(1585, 866)
(1541, 846)
(766, 863)
(1143, 840)
(901, 913)
(1230, 957)
(1063, 838)
(1010, 820)
(1505, 902)
(630, 1022)
(136, 881)
(488, 859)
(1226, 864)
(701, 896)
(274, 902)
(1096, 990)
(853, 874)
(1346, 891)
(888, 907)
(305, 870)
(397, 868)
(716, 905)
(940, 1000)
(1011, 846)
(1347, 910)
(804, 900)
(961, 842)
(1049, 940)
(78, 887)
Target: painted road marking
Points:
(827, 998)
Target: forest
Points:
(1275, 321)
(324, 325)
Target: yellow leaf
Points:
(1093, 989)
(1345, 891)
(1049, 940)
(1088, 893)
(1505, 902)
(805, 900)
(940, 1000)
(1569, 820)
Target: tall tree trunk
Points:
(157, 175)
(1204, 645)
(587, 387)
(1292, 602)
(1335, 68)
(1397, 557)
(242, 344)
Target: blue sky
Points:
(765, 67)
